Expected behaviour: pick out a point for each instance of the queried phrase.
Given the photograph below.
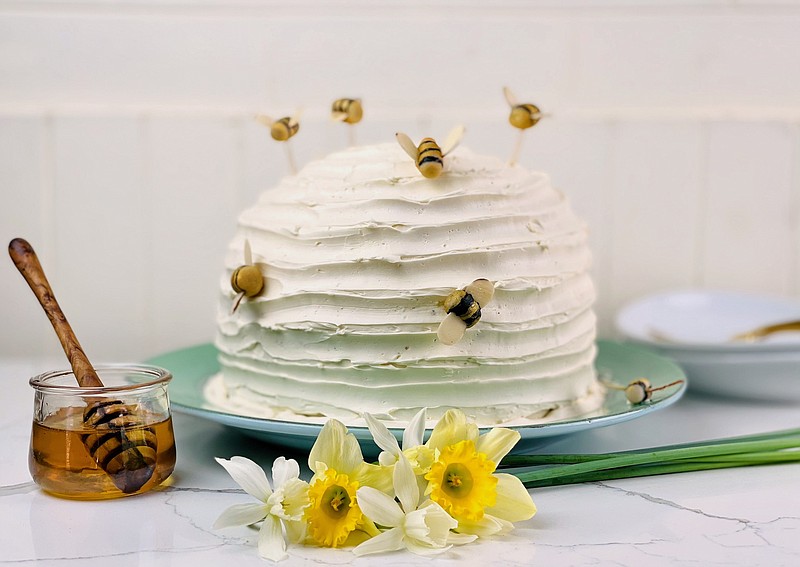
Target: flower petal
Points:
(513, 503)
(241, 515)
(284, 470)
(414, 433)
(452, 428)
(271, 544)
(460, 539)
(295, 498)
(497, 443)
(249, 476)
(381, 435)
(379, 507)
(487, 526)
(376, 476)
(337, 448)
(391, 540)
(424, 550)
(405, 485)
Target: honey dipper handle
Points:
(28, 265)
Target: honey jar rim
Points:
(160, 376)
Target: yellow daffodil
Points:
(333, 516)
(422, 529)
(279, 509)
(463, 481)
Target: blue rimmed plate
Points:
(193, 367)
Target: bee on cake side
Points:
(247, 279)
(463, 307)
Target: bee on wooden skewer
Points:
(349, 111)
(523, 116)
(640, 390)
(246, 280)
(428, 156)
(463, 307)
(118, 443)
(282, 130)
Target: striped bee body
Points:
(120, 445)
(463, 305)
(429, 158)
(347, 110)
(283, 129)
(524, 116)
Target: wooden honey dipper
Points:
(128, 457)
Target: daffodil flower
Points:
(421, 457)
(334, 515)
(463, 481)
(279, 509)
(424, 530)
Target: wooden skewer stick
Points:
(517, 148)
(28, 264)
(121, 455)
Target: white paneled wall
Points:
(127, 144)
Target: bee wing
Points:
(248, 253)
(406, 143)
(295, 118)
(265, 120)
(453, 139)
(338, 116)
(481, 290)
(451, 329)
(510, 98)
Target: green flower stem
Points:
(530, 460)
(660, 456)
(633, 472)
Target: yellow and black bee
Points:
(347, 110)
(463, 307)
(428, 156)
(523, 115)
(247, 280)
(281, 129)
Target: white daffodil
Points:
(463, 481)
(420, 456)
(279, 509)
(424, 530)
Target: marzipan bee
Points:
(281, 129)
(428, 156)
(463, 308)
(640, 390)
(246, 280)
(524, 115)
(347, 110)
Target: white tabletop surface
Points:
(746, 516)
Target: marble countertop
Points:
(746, 516)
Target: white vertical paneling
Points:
(794, 259)
(193, 178)
(101, 227)
(23, 325)
(658, 183)
(748, 233)
(579, 158)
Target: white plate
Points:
(694, 328)
(707, 320)
(193, 367)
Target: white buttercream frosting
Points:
(358, 252)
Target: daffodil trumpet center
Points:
(333, 512)
(461, 481)
(457, 480)
(335, 502)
